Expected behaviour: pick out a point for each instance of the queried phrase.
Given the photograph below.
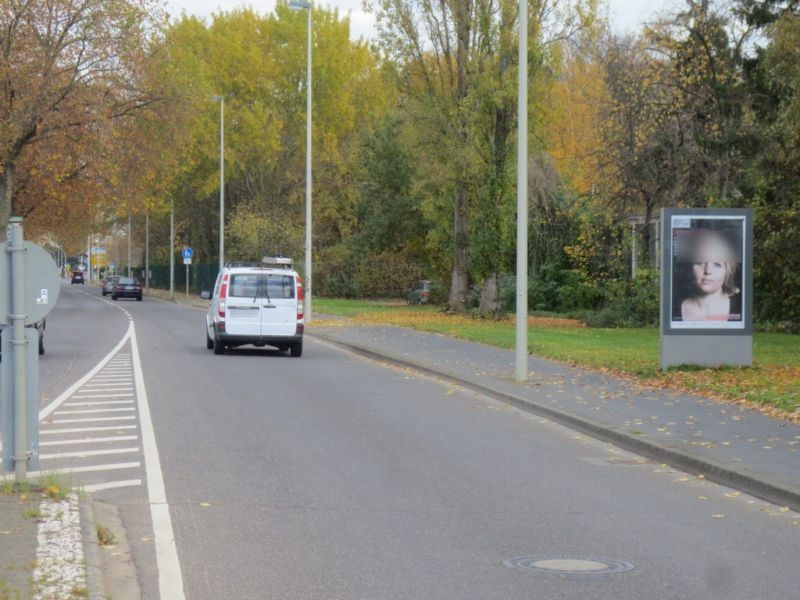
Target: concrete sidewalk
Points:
(724, 442)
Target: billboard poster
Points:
(708, 259)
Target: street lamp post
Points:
(221, 100)
(302, 4)
(521, 366)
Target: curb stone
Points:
(91, 551)
(750, 483)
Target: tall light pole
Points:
(221, 100)
(302, 4)
(521, 367)
(172, 249)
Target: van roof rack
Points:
(277, 261)
(233, 265)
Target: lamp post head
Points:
(217, 98)
(299, 4)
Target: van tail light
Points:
(300, 298)
(223, 294)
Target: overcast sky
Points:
(626, 15)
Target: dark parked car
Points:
(127, 287)
(77, 277)
(420, 293)
(108, 284)
(39, 325)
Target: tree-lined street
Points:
(366, 480)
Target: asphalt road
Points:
(330, 476)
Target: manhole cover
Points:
(569, 565)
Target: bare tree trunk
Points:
(6, 195)
(460, 281)
(490, 299)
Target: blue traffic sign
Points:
(187, 253)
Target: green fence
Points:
(201, 277)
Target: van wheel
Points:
(209, 342)
(219, 347)
(296, 349)
(41, 344)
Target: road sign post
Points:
(187, 254)
(29, 288)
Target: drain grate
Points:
(569, 565)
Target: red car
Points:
(127, 287)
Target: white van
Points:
(256, 304)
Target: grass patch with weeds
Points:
(105, 537)
(32, 514)
(772, 384)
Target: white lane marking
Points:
(93, 420)
(78, 384)
(84, 396)
(170, 578)
(118, 438)
(85, 453)
(93, 411)
(108, 387)
(107, 403)
(70, 470)
(85, 429)
(111, 485)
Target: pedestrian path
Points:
(724, 442)
(93, 438)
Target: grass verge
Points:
(772, 384)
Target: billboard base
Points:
(706, 350)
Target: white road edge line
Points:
(43, 414)
(170, 577)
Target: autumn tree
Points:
(69, 73)
(257, 63)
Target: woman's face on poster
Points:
(709, 265)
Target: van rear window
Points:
(261, 285)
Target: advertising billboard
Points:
(707, 275)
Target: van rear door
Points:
(244, 304)
(278, 305)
